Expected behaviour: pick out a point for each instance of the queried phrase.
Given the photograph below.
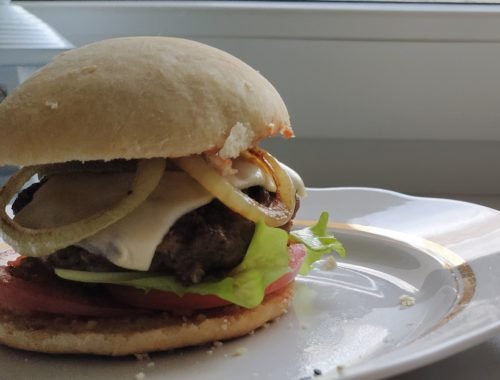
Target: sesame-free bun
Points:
(135, 335)
(138, 97)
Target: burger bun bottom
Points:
(137, 334)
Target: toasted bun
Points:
(136, 335)
(138, 97)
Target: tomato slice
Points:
(160, 300)
(296, 254)
(19, 295)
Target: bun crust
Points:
(125, 336)
(138, 97)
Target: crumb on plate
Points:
(406, 300)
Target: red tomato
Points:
(20, 295)
(160, 300)
(296, 254)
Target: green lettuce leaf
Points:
(318, 242)
(266, 261)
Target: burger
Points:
(144, 215)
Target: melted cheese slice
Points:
(131, 242)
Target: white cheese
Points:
(131, 242)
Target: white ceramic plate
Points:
(349, 322)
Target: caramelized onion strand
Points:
(277, 214)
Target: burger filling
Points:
(183, 228)
(222, 239)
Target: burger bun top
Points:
(138, 97)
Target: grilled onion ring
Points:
(277, 214)
(44, 241)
